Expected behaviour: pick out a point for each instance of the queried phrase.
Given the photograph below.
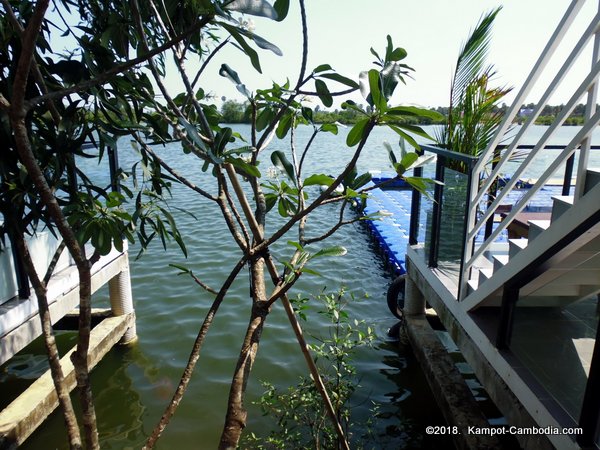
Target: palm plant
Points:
(473, 118)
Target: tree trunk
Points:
(235, 419)
(62, 392)
(83, 266)
(79, 357)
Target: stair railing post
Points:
(436, 212)
(415, 207)
(589, 112)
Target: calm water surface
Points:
(133, 384)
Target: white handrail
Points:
(584, 133)
(474, 224)
(589, 81)
(591, 30)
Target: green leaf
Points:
(307, 113)
(280, 161)
(337, 250)
(341, 79)
(183, 269)
(413, 111)
(270, 200)
(235, 33)
(418, 183)
(311, 272)
(398, 54)
(193, 135)
(296, 245)
(330, 128)
(323, 93)
(408, 160)
(405, 135)
(230, 74)
(322, 68)
(245, 167)
(356, 133)
(284, 126)
(264, 118)
(282, 7)
(379, 101)
(260, 8)
(361, 180)
(318, 179)
(390, 151)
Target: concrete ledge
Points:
(19, 419)
(449, 387)
(63, 295)
(472, 346)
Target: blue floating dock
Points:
(393, 202)
(390, 230)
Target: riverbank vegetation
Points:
(234, 111)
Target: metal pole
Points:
(436, 212)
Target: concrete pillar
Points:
(414, 302)
(121, 300)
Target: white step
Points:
(537, 227)
(562, 203)
(472, 286)
(515, 246)
(592, 178)
(500, 261)
(485, 274)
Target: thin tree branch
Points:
(193, 358)
(324, 195)
(105, 76)
(183, 180)
(36, 68)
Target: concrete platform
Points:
(30, 409)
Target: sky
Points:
(341, 32)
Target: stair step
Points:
(552, 290)
(537, 227)
(515, 246)
(500, 261)
(561, 204)
(485, 274)
(472, 286)
(592, 178)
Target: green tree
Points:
(235, 112)
(45, 110)
(473, 116)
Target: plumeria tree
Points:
(51, 103)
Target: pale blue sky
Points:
(342, 31)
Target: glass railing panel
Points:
(424, 213)
(555, 344)
(452, 224)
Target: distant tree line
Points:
(233, 111)
(549, 114)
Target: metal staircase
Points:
(559, 262)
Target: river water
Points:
(133, 384)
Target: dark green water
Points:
(133, 384)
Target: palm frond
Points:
(472, 115)
(472, 56)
